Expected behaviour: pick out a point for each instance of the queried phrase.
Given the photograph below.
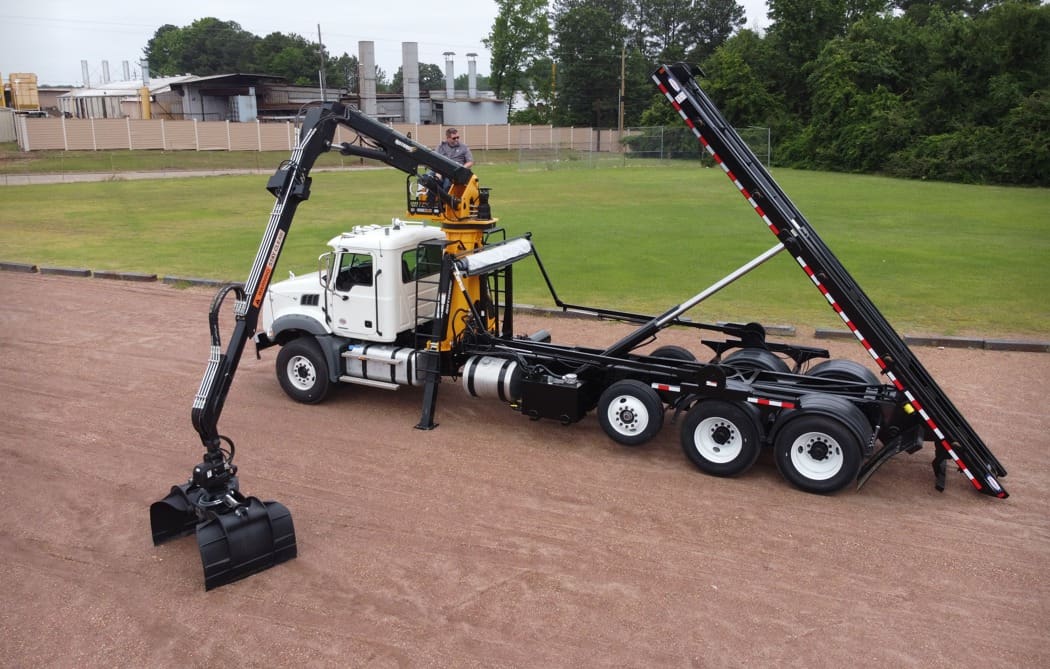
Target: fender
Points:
(289, 327)
(832, 406)
(297, 322)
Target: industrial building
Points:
(246, 97)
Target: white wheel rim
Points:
(301, 372)
(627, 415)
(717, 440)
(816, 456)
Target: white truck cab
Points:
(366, 287)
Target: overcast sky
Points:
(51, 37)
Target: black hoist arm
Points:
(955, 439)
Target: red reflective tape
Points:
(732, 177)
(773, 403)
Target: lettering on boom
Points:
(264, 281)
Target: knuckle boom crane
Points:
(239, 535)
(409, 304)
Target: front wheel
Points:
(817, 453)
(302, 371)
(720, 438)
(630, 412)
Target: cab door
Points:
(352, 300)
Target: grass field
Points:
(937, 258)
(14, 161)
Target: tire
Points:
(674, 352)
(302, 371)
(755, 358)
(630, 412)
(721, 438)
(817, 453)
(844, 370)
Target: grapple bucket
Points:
(246, 540)
(234, 542)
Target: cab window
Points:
(355, 269)
(420, 262)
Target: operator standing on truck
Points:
(453, 149)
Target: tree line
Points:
(211, 46)
(941, 89)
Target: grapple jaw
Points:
(237, 536)
(255, 536)
(174, 516)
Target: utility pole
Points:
(320, 53)
(623, 63)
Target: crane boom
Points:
(240, 535)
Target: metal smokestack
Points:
(410, 77)
(450, 76)
(366, 60)
(84, 74)
(472, 75)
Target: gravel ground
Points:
(492, 540)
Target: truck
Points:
(428, 299)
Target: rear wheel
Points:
(844, 370)
(755, 358)
(674, 352)
(630, 412)
(302, 371)
(720, 438)
(817, 453)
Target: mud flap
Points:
(907, 442)
(255, 536)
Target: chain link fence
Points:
(610, 148)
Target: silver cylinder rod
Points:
(718, 285)
(643, 332)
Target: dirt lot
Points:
(491, 541)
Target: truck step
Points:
(369, 382)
